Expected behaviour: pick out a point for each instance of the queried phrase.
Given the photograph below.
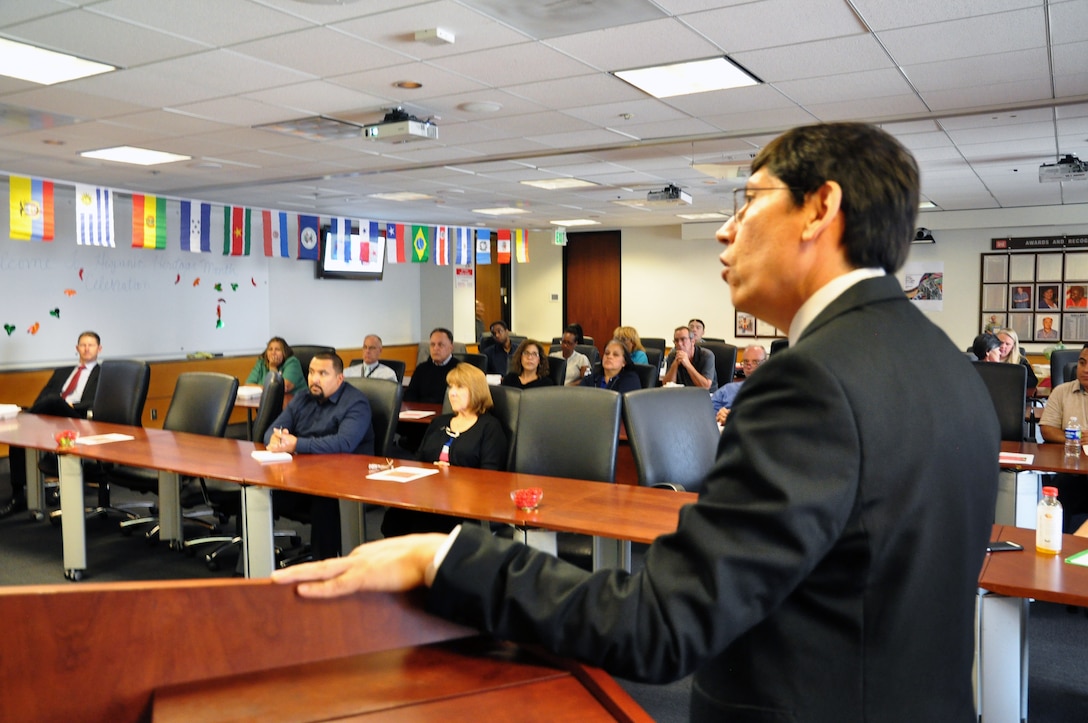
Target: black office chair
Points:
(506, 404)
(569, 432)
(201, 404)
(385, 398)
(1007, 384)
(655, 342)
(778, 345)
(397, 366)
(225, 498)
(654, 357)
(122, 392)
(557, 370)
(673, 436)
(1059, 358)
(424, 353)
(477, 360)
(306, 352)
(725, 360)
(590, 351)
(648, 375)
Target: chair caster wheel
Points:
(212, 563)
(38, 516)
(74, 575)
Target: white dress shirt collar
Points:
(824, 296)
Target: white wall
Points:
(535, 313)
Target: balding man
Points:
(754, 355)
(370, 368)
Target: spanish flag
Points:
(148, 222)
(31, 209)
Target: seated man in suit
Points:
(68, 393)
(1065, 401)
(829, 569)
(688, 364)
(330, 418)
(371, 368)
(754, 355)
(501, 350)
(429, 378)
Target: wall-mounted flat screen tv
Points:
(353, 257)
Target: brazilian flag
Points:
(422, 240)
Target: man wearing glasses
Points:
(754, 355)
(828, 570)
(688, 364)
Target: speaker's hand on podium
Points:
(394, 564)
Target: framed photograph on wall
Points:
(745, 324)
(1021, 324)
(1047, 327)
(1075, 327)
(1048, 297)
(991, 322)
(1020, 297)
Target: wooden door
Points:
(591, 283)
(489, 291)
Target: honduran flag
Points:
(148, 222)
(307, 238)
(31, 209)
(396, 241)
(196, 227)
(483, 246)
(521, 245)
(236, 231)
(276, 242)
(463, 240)
(503, 245)
(421, 244)
(94, 216)
(441, 246)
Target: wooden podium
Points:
(251, 650)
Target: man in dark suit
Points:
(828, 571)
(68, 393)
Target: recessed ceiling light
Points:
(53, 142)
(696, 76)
(576, 222)
(500, 211)
(711, 216)
(408, 84)
(26, 62)
(555, 184)
(480, 106)
(401, 196)
(922, 205)
(135, 156)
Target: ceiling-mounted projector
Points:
(668, 196)
(1069, 168)
(399, 127)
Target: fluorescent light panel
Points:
(501, 211)
(556, 184)
(135, 156)
(401, 196)
(713, 216)
(45, 67)
(696, 76)
(576, 222)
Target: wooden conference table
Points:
(611, 512)
(1006, 583)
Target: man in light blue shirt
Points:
(754, 355)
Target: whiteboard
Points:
(147, 304)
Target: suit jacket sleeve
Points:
(735, 556)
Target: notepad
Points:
(247, 391)
(7, 411)
(1079, 558)
(103, 439)
(415, 414)
(264, 456)
(1015, 458)
(403, 474)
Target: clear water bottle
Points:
(1072, 437)
(1048, 523)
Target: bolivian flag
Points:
(148, 222)
(31, 209)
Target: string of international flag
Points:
(205, 225)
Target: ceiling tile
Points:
(657, 42)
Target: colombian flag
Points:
(148, 222)
(421, 244)
(31, 209)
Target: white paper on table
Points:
(263, 456)
(1015, 458)
(103, 438)
(415, 414)
(403, 474)
(7, 411)
(249, 391)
